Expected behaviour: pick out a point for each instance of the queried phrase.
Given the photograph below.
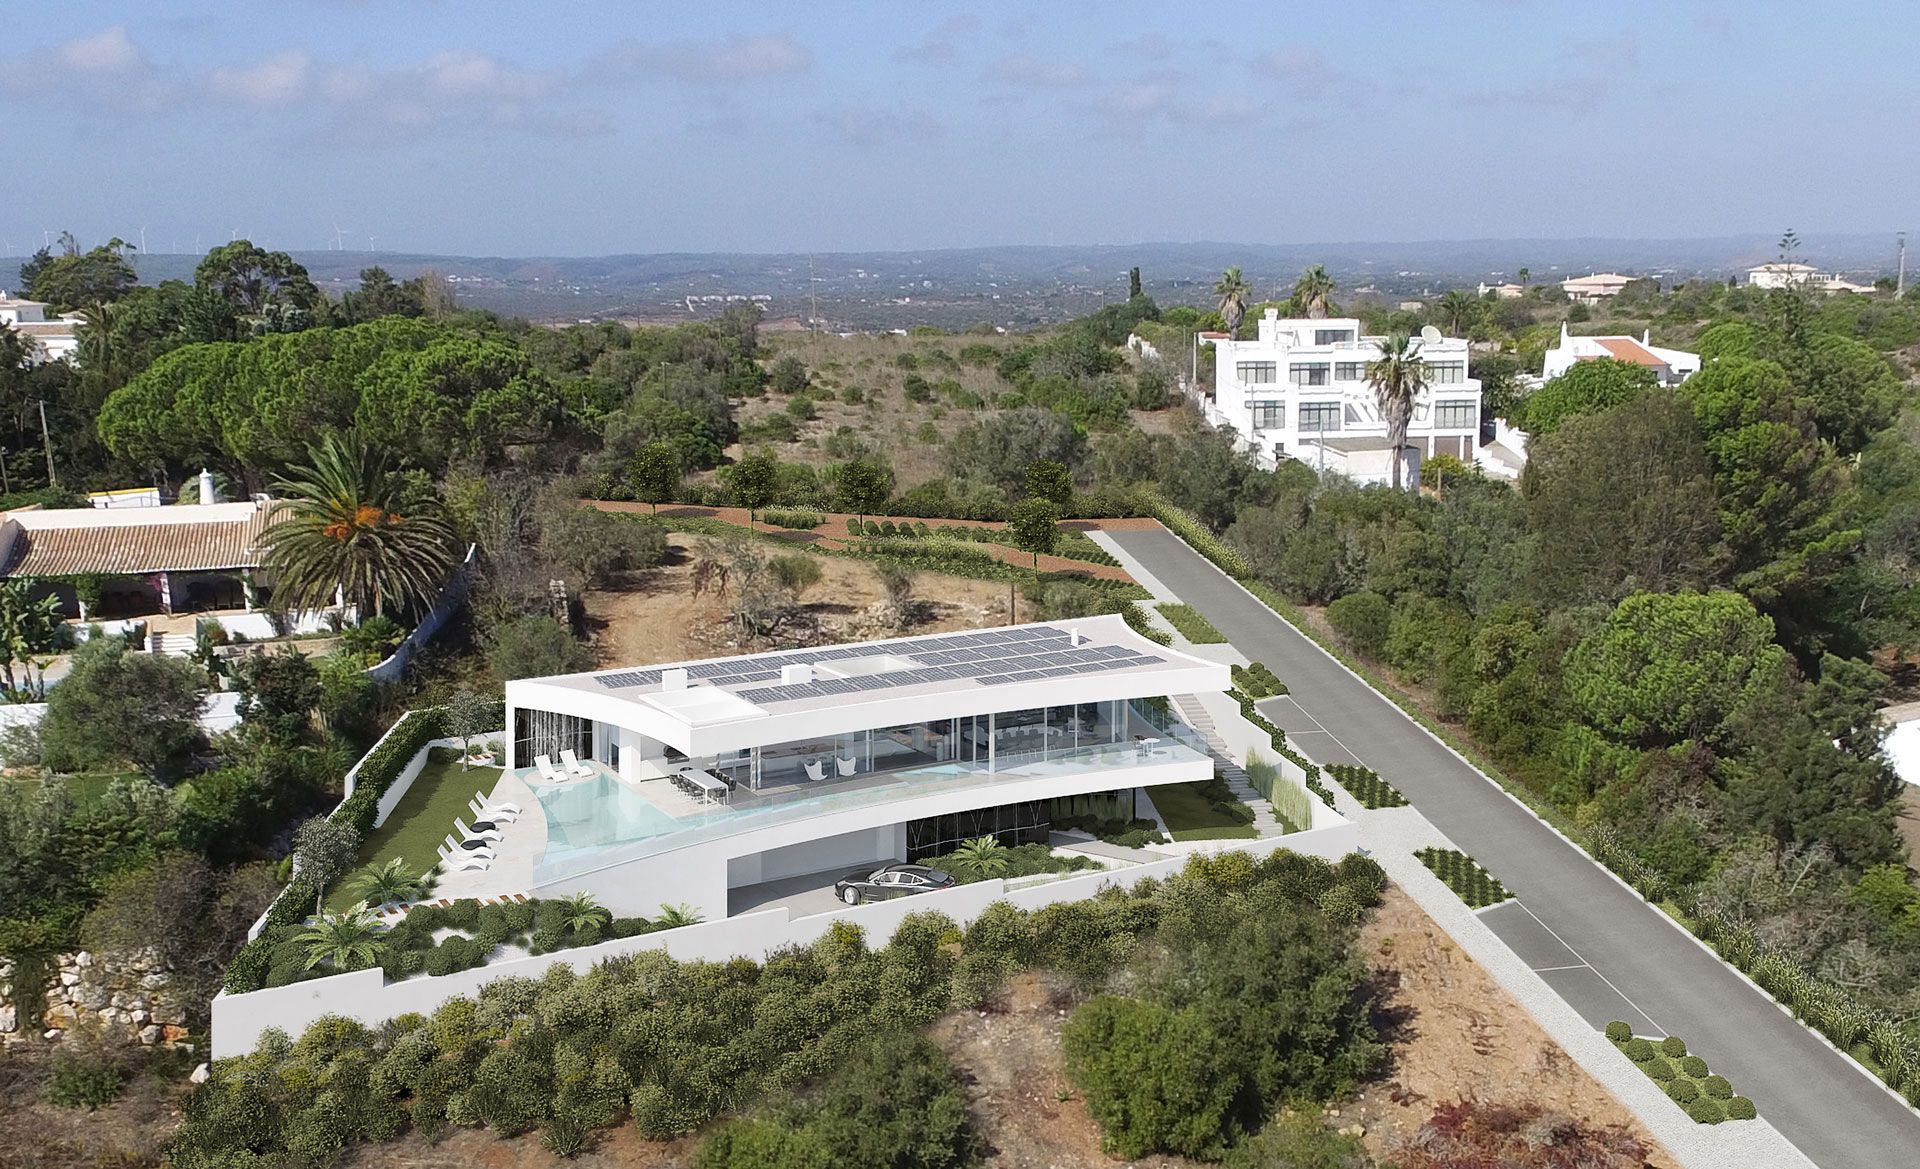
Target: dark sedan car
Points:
(890, 881)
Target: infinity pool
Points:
(596, 813)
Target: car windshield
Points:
(937, 876)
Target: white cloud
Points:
(943, 43)
(276, 80)
(872, 126)
(707, 62)
(1032, 72)
(105, 68)
(109, 51)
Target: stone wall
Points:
(124, 997)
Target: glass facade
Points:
(546, 732)
(1010, 824)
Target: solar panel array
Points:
(990, 657)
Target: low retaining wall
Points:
(239, 1020)
(125, 998)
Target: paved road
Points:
(1836, 1116)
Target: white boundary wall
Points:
(238, 1020)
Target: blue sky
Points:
(517, 129)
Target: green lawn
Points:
(83, 788)
(423, 818)
(1191, 816)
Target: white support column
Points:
(166, 592)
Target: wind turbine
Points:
(143, 239)
(339, 238)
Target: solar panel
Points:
(1026, 676)
(994, 680)
(628, 679)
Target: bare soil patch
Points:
(655, 617)
(1457, 1035)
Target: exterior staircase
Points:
(1196, 716)
(177, 645)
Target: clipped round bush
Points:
(1741, 1108)
(1639, 1050)
(1706, 1111)
(1619, 1032)
(1717, 1087)
(1694, 1066)
(1673, 1047)
(1682, 1091)
(1658, 1068)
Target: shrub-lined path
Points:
(1835, 1114)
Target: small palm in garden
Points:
(581, 912)
(674, 916)
(392, 883)
(980, 858)
(349, 940)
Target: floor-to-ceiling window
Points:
(547, 732)
(1010, 824)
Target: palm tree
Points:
(1397, 376)
(346, 941)
(392, 882)
(1312, 291)
(672, 917)
(1526, 276)
(1232, 291)
(581, 912)
(980, 858)
(1458, 309)
(350, 522)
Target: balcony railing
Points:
(1154, 741)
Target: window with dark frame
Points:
(1350, 371)
(1320, 416)
(1257, 373)
(1269, 415)
(1455, 415)
(1311, 373)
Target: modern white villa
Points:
(1671, 366)
(49, 339)
(674, 785)
(1298, 390)
(1781, 274)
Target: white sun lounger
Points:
(490, 835)
(499, 813)
(548, 771)
(464, 860)
(573, 763)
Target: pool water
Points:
(596, 813)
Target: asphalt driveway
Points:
(1838, 1117)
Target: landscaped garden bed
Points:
(1206, 810)
(1256, 681)
(1471, 883)
(985, 859)
(1366, 786)
(1191, 624)
(1686, 1079)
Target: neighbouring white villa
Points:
(55, 339)
(167, 568)
(1298, 390)
(1671, 366)
(687, 784)
(1780, 274)
(1595, 288)
(1501, 291)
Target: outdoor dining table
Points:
(712, 790)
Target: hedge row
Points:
(1462, 874)
(1136, 620)
(1257, 681)
(1686, 1079)
(1874, 1037)
(1278, 738)
(377, 771)
(1189, 528)
(1191, 624)
(1366, 786)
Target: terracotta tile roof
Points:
(1627, 349)
(45, 328)
(134, 550)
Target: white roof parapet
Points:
(757, 699)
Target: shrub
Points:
(1693, 1066)
(1705, 1111)
(1673, 1047)
(1191, 624)
(83, 1081)
(1157, 1080)
(799, 519)
(1362, 620)
(1658, 1068)
(1619, 1032)
(1682, 1091)
(454, 955)
(1738, 1108)
(1716, 1087)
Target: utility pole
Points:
(46, 444)
(1900, 281)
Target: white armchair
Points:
(844, 764)
(816, 770)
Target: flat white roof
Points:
(869, 683)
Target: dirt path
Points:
(832, 533)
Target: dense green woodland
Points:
(1674, 634)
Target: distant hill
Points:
(1023, 285)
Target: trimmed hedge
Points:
(1189, 528)
(1741, 1108)
(1716, 1087)
(1619, 1032)
(1136, 620)
(1694, 1066)
(1278, 739)
(1673, 1046)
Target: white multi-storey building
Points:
(55, 339)
(1299, 390)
